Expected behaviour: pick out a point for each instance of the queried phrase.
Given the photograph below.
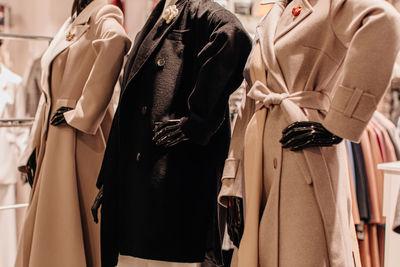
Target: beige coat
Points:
(330, 64)
(80, 69)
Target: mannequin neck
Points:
(82, 5)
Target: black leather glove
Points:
(169, 133)
(29, 169)
(58, 117)
(304, 134)
(96, 205)
(235, 220)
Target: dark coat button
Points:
(138, 156)
(160, 62)
(144, 110)
(275, 163)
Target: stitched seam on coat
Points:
(353, 102)
(323, 52)
(354, 117)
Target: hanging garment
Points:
(160, 203)
(363, 200)
(11, 142)
(312, 68)
(79, 70)
(32, 88)
(391, 129)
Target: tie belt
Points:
(305, 99)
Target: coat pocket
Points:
(179, 35)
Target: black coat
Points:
(161, 204)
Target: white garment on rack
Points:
(127, 261)
(12, 141)
(8, 227)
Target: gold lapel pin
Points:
(70, 36)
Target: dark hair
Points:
(79, 5)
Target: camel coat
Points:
(80, 69)
(325, 65)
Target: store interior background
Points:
(45, 17)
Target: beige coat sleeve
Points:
(369, 29)
(232, 177)
(110, 47)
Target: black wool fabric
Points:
(161, 204)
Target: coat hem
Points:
(145, 256)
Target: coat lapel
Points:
(148, 45)
(288, 21)
(150, 23)
(266, 32)
(69, 33)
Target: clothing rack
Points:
(12, 36)
(23, 122)
(16, 206)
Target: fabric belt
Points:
(317, 100)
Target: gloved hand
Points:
(58, 117)
(29, 169)
(96, 205)
(169, 133)
(304, 134)
(235, 220)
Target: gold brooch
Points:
(70, 36)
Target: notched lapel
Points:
(147, 47)
(151, 21)
(288, 21)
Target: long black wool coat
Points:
(160, 203)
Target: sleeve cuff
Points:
(232, 181)
(78, 124)
(350, 112)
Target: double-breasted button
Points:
(161, 62)
(138, 156)
(275, 163)
(144, 110)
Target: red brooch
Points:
(296, 11)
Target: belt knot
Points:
(274, 99)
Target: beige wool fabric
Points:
(80, 69)
(327, 65)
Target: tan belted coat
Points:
(331, 64)
(79, 70)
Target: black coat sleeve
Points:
(221, 61)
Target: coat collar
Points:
(276, 24)
(159, 28)
(266, 34)
(74, 28)
(84, 16)
(288, 21)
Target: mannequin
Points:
(67, 142)
(170, 137)
(58, 118)
(312, 80)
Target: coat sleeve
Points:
(221, 62)
(110, 48)
(369, 30)
(233, 176)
